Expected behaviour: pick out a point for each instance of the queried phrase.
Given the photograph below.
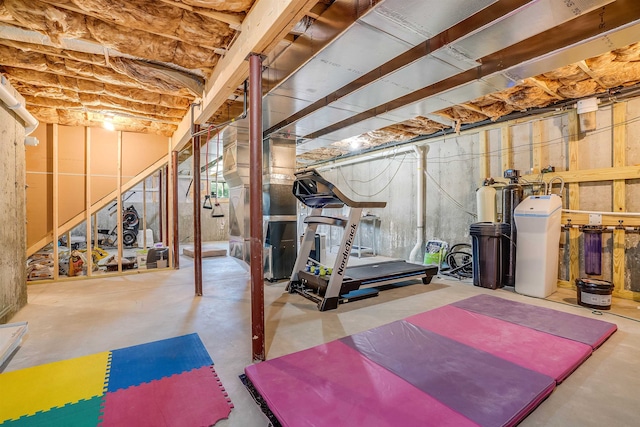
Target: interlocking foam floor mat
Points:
(163, 383)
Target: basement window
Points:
(222, 190)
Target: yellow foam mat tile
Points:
(40, 388)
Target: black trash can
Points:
(490, 242)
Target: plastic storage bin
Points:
(538, 225)
(490, 257)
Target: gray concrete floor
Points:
(71, 319)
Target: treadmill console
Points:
(314, 191)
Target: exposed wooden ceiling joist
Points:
(266, 23)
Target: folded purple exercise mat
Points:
(547, 354)
(451, 366)
(589, 331)
(334, 385)
(484, 388)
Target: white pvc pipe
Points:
(365, 157)
(420, 208)
(602, 213)
(15, 102)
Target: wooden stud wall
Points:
(617, 174)
(90, 207)
(574, 197)
(619, 195)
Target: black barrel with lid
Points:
(490, 242)
(594, 293)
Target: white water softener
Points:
(537, 221)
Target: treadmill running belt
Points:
(384, 269)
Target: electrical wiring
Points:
(381, 189)
(388, 165)
(521, 148)
(448, 196)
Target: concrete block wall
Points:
(13, 289)
(391, 179)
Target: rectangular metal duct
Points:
(279, 204)
(236, 170)
(505, 32)
(410, 23)
(372, 40)
(533, 19)
(496, 82)
(279, 207)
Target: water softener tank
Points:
(486, 203)
(512, 195)
(538, 222)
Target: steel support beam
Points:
(197, 224)
(255, 201)
(174, 217)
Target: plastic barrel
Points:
(488, 245)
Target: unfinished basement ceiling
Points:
(370, 72)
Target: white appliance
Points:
(538, 226)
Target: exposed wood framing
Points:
(607, 220)
(119, 201)
(574, 196)
(485, 166)
(506, 150)
(268, 22)
(234, 21)
(52, 136)
(144, 213)
(619, 194)
(173, 212)
(617, 175)
(594, 175)
(94, 207)
(536, 147)
(542, 85)
(584, 67)
(473, 108)
(87, 195)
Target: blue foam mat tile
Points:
(156, 360)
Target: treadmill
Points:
(344, 284)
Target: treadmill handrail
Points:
(313, 175)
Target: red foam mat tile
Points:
(193, 398)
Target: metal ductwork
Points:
(403, 59)
(279, 207)
(236, 170)
(279, 204)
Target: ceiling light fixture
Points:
(108, 124)
(354, 142)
